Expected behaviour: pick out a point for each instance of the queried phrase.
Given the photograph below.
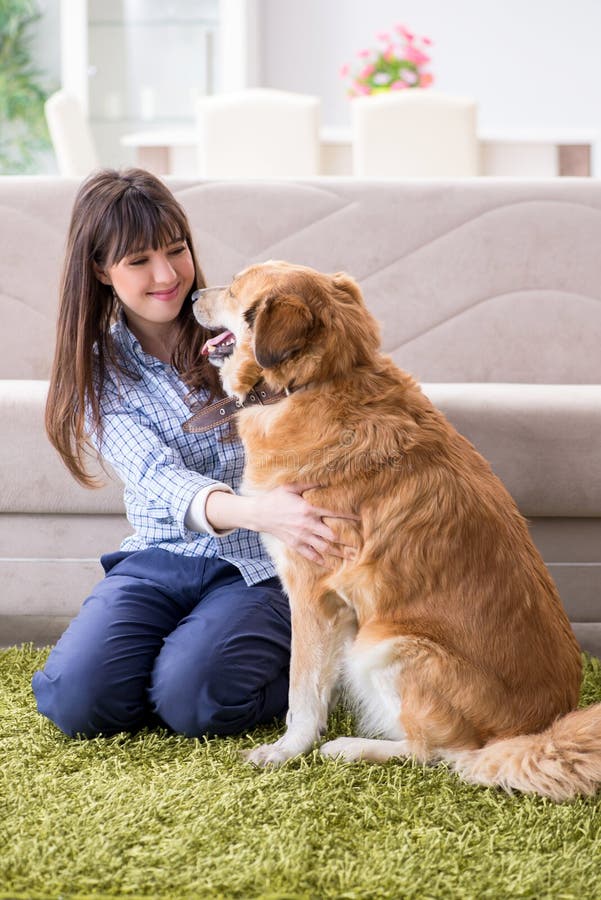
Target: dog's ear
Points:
(344, 282)
(281, 326)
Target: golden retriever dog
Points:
(445, 629)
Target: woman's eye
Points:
(137, 262)
(177, 250)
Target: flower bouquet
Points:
(395, 66)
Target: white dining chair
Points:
(70, 134)
(258, 133)
(415, 133)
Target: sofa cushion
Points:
(542, 440)
(472, 280)
(34, 215)
(479, 280)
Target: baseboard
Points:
(42, 631)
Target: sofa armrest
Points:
(33, 479)
(542, 440)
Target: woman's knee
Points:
(69, 699)
(216, 698)
(96, 678)
(82, 697)
(225, 668)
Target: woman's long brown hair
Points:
(115, 214)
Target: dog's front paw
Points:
(268, 755)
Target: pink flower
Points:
(408, 35)
(416, 56)
(397, 48)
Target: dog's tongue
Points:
(216, 341)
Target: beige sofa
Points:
(489, 291)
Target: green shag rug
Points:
(156, 815)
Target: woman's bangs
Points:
(141, 224)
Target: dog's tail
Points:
(560, 763)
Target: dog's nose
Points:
(201, 292)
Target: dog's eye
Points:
(251, 314)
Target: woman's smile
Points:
(166, 293)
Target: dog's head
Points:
(289, 324)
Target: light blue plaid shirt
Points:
(162, 467)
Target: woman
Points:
(189, 627)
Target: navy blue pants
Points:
(174, 640)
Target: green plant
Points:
(23, 132)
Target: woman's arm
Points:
(154, 474)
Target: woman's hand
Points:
(284, 513)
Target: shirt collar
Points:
(128, 342)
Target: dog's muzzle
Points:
(221, 345)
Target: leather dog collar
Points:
(225, 409)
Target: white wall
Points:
(45, 43)
(529, 63)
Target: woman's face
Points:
(152, 284)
